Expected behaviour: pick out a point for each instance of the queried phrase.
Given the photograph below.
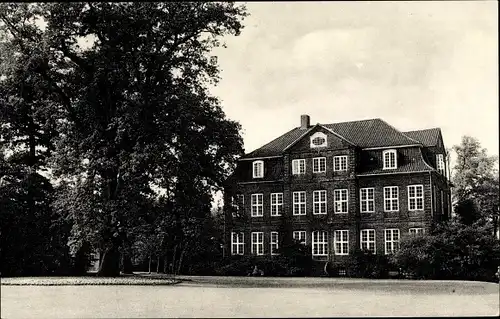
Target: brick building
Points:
(336, 187)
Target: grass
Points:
(131, 280)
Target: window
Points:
(319, 164)
(237, 243)
(319, 202)
(258, 243)
(274, 243)
(368, 240)
(391, 201)
(258, 169)
(300, 235)
(442, 203)
(340, 200)
(367, 200)
(389, 157)
(391, 241)
(298, 167)
(341, 242)
(415, 197)
(340, 163)
(299, 203)
(319, 243)
(318, 139)
(276, 204)
(257, 206)
(238, 204)
(416, 231)
(440, 164)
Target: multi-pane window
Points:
(258, 243)
(238, 204)
(390, 159)
(237, 243)
(276, 204)
(442, 202)
(300, 235)
(367, 200)
(319, 243)
(319, 164)
(391, 199)
(258, 169)
(416, 231)
(274, 243)
(440, 163)
(391, 241)
(341, 242)
(340, 163)
(319, 202)
(340, 200)
(368, 240)
(257, 205)
(298, 166)
(416, 197)
(299, 203)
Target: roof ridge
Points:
(401, 132)
(425, 129)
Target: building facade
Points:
(337, 187)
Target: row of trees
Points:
(109, 138)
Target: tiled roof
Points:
(364, 133)
(428, 137)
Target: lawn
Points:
(255, 297)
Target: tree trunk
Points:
(174, 259)
(157, 264)
(165, 264)
(149, 268)
(179, 265)
(127, 264)
(110, 265)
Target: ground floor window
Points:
(368, 240)
(274, 243)
(341, 242)
(258, 243)
(391, 241)
(237, 243)
(300, 235)
(319, 243)
(416, 231)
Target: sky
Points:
(416, 65)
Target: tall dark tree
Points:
(133, 107)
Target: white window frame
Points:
(440, 166)
(276, 204)
(341, 242)
(298, 166)
(315, 135)
(414, 231)
(341, 196)
(256, 173)
(415, 202)
(257, 247)
(368, 240)
(365, 199)
(319, 202)
(237, 246)
(390, 241)
(317, 161)
(299, 206)
(386, 159)
(319, 240)
(238, 204)
(392, 199)
(300, 235)
(340, 163)
(274, 242)
(257, 203)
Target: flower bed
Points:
(80, 281)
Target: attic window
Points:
(258, 169)
(390, 159)
(318, 140)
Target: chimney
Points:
(304, 122)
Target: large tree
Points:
(132, 109)
(476, 184)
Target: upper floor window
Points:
(391, 199)
(416, 197)
(340, 199)
(319, 202)
(276, 204)
(238, 203)
(319, 164)
(298, 166)
(390, 159)
(340, 163)
(258, 169)
(367, 200)
(299, 203)
(318, 139)
(440, 163)
(257, 205)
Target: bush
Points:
(364, 264)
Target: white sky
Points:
(414, 64)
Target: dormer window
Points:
(318, 139)
(390, 159)
(258, 169)
(440, 163)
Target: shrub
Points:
(364, 264)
